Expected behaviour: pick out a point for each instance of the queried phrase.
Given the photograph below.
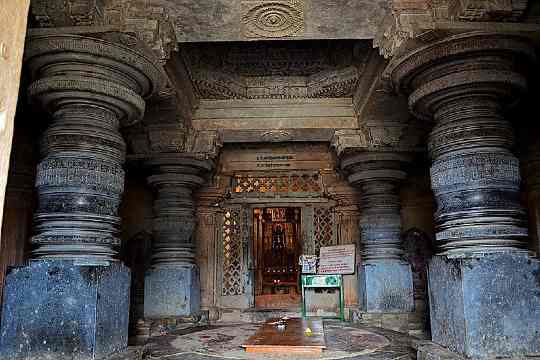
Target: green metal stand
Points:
(324, 281)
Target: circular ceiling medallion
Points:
(273, 19)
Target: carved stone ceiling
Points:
(224, 20)
(276, 70)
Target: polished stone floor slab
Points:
(343, 341)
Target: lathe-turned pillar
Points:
(72, 301)
(172, 284)
(385, 278)
(483, 286)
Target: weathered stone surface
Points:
(222, 20)
(407, 22)
(172, 291)
(486, 306)
(61, 310)
(385, 286)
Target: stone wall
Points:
(20, 195)
(13, 15)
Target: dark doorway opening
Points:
(277, 246)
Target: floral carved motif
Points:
(273, 19)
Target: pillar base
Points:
(172, 291)
(486, 306)
(60, 310)
(385, 286)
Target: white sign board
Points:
(337, 259)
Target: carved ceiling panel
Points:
(276, 70)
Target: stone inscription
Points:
(273, 161)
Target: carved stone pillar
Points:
(207, 236)
(483, 286)
(385, 278)
(172, 285)
(347, 217)
(73, 299)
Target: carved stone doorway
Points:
(276, 247)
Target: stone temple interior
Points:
(165, 163)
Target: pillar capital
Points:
(469, 68)
(369, 166)
(91, 87)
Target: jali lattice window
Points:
(277, 184)
(232, 254)
(323, 228)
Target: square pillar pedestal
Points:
(386, 286)
(172, 291)
(61, 310)
(486, 306)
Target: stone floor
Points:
(343, 341)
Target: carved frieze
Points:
(282, 71)
(273, 18)
(415, 20)
(150, 22)
(55, 13)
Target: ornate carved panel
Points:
(277, 70)
(324, 233)
(273, 19)
(277, 184)
(233, 281)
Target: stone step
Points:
(257, 315)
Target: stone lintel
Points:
(167, 141)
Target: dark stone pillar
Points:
(483, 287)
(172, 284)
(385, 278)
(72, 300)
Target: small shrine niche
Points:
(277, 248)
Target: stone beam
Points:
(408, 23)
(148, 21)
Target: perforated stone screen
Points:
(232, 254)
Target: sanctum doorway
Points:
(276, 247)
